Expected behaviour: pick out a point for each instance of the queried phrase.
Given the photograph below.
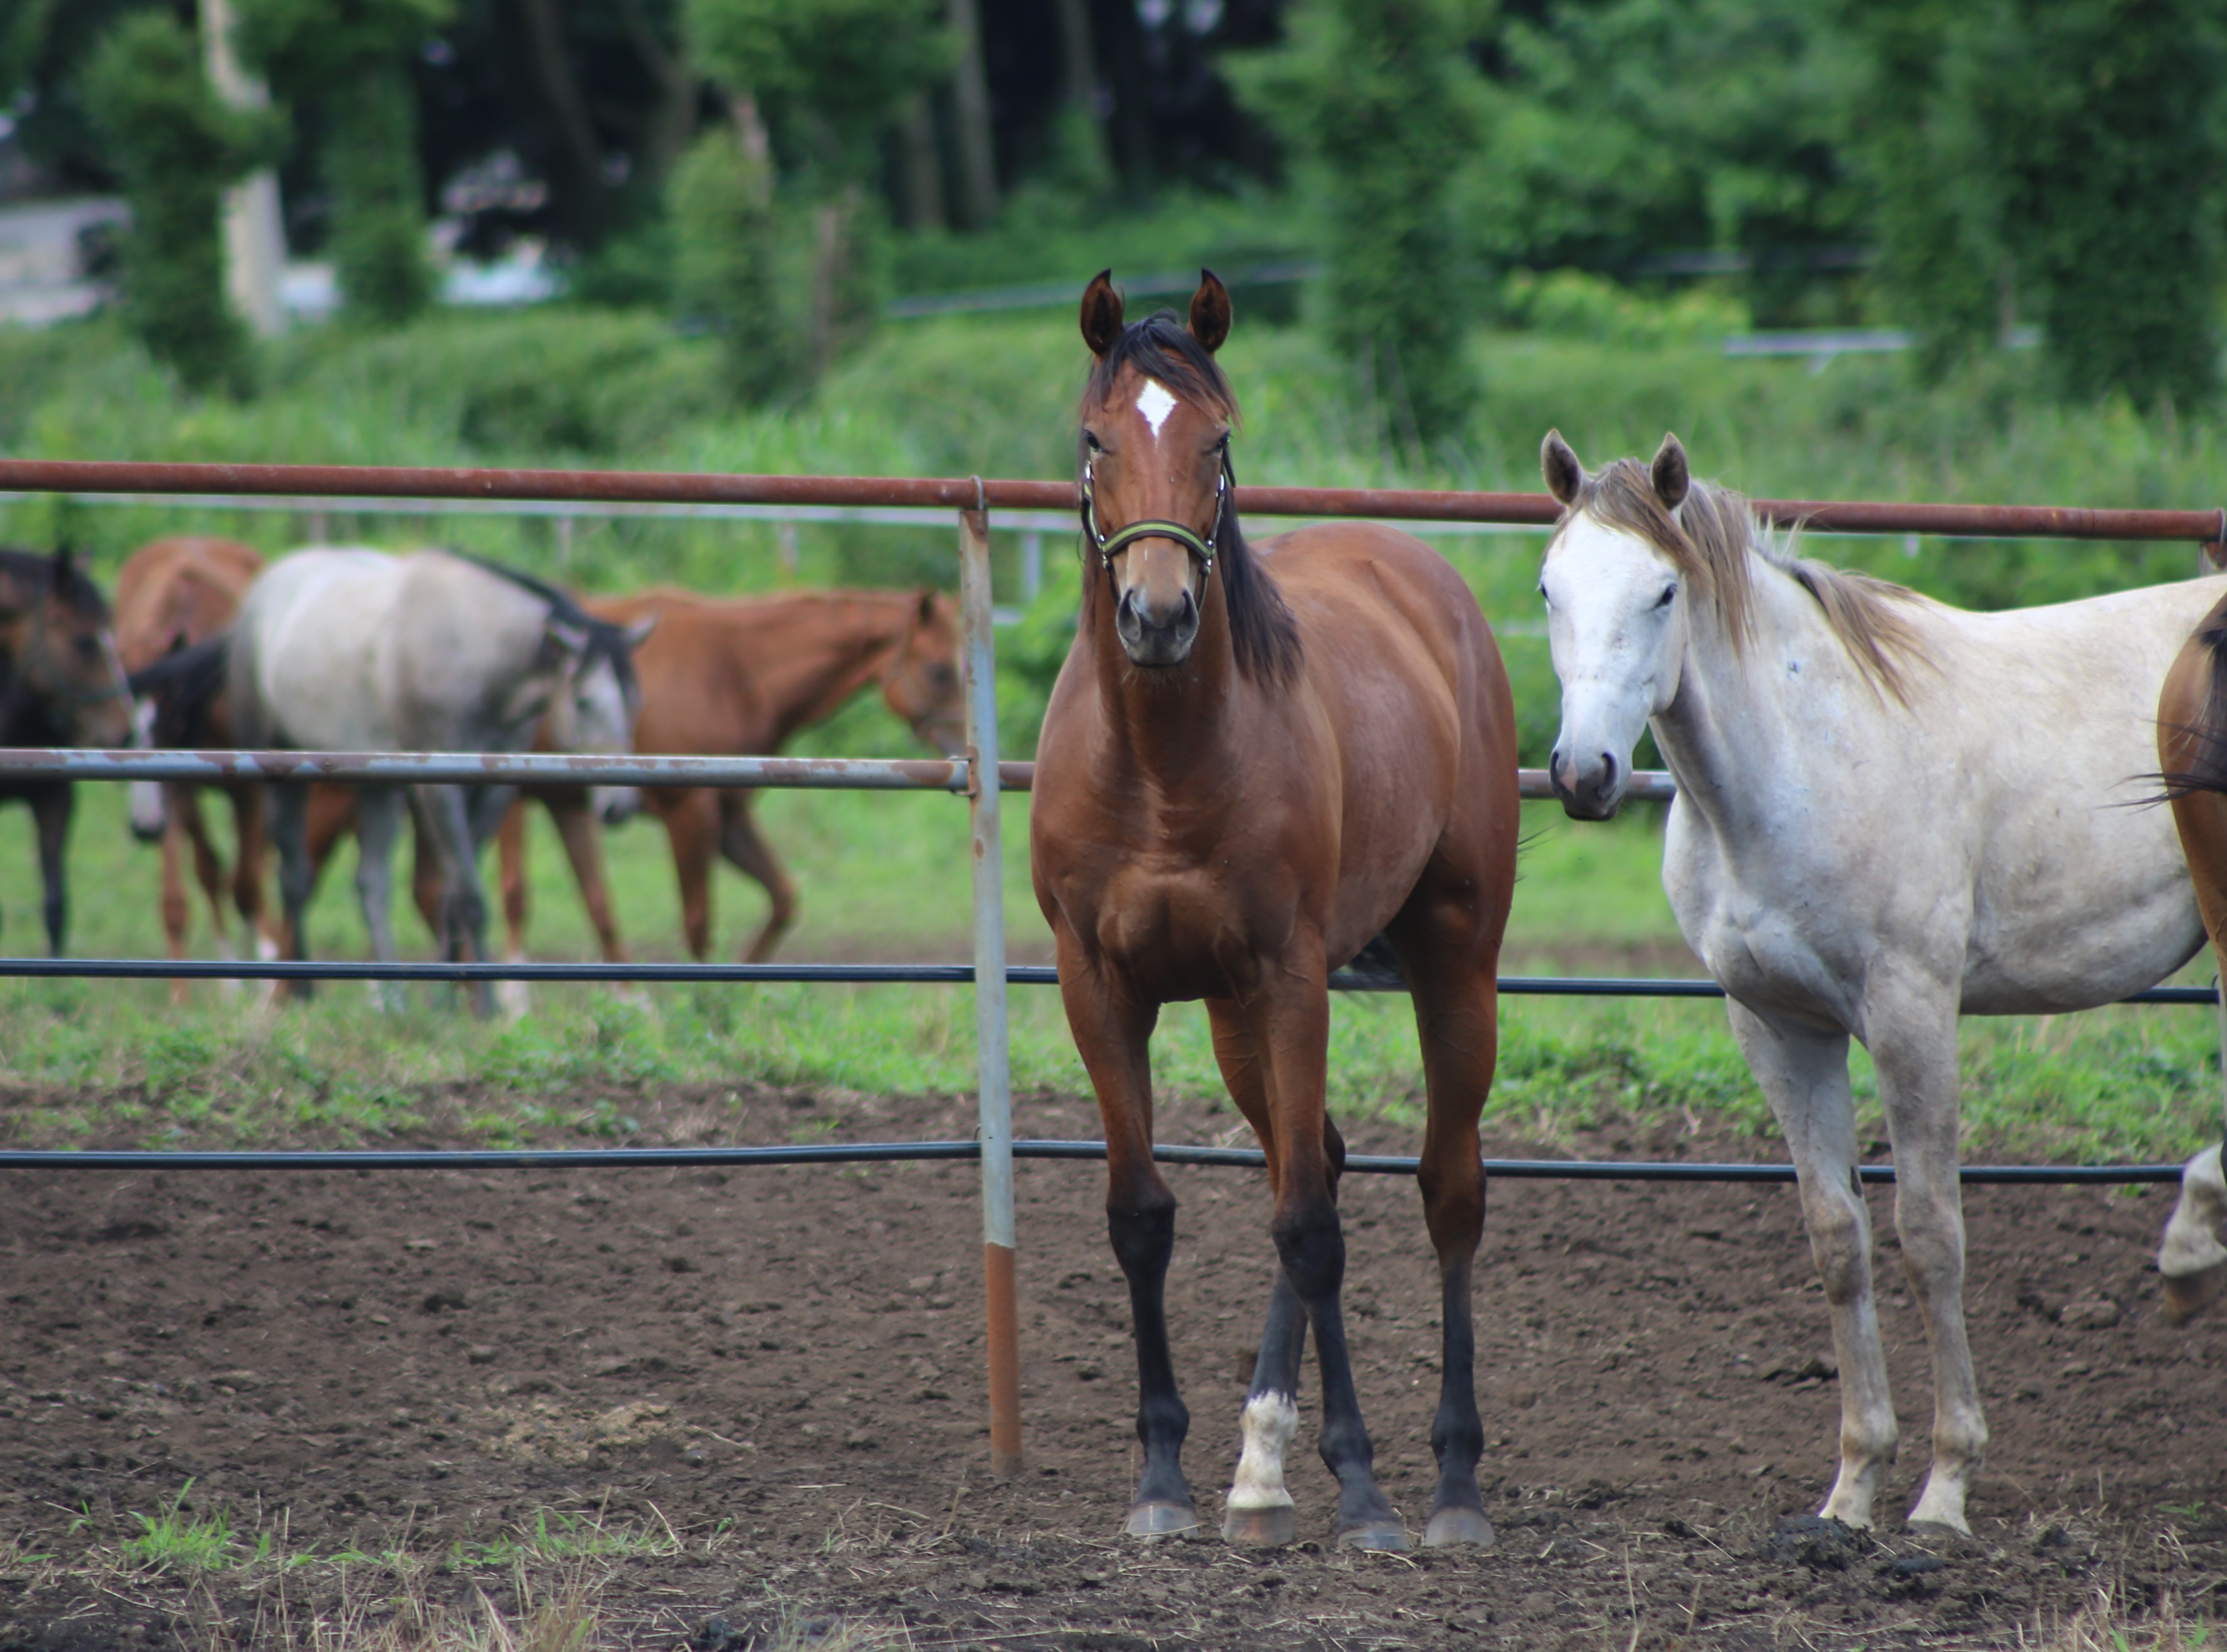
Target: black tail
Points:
(184, 686)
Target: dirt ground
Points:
(783, 1367)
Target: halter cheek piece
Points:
(1110, 546)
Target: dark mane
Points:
(36, 571)
(606, 639)
(184, 684)
(1263, 636)
(2207, 770)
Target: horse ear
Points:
(637, 634)
(924, 607)
(571, 638)
(65, 562)
(1209, 311)
(1558, 460)
(1670, 475)
(1102, 313)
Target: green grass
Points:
(181, 1539)
(885, 876)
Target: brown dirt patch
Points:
(796, 1352)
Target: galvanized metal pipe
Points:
(995, 1110)
(952, 493)
(552, 769)
(870, 1152)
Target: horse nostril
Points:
(1608, 769)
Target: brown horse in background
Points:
(1255, 761)
(60, 684)
(739, 678)
(173, 596)
(734, 677)
(2192, 752)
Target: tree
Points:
(177, 146)
(353, 56)
(813, 83)
(1380, 100)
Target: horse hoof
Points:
(1378, 1537)
(2189, 1294)
(1260, 1528)
(1161, 1519)
(1453, 1528)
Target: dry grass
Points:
(2107, 1624)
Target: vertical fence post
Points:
(996, 1082)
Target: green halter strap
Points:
(1109, 546)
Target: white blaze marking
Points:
(1155, 404)
(1269, 1422)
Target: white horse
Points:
(1889, 812)
(354, 650)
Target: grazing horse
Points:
(1256, 760)
(740, 677)
(174, 600)
(2192, 752)
(354, 650)
(60, 684)
(1889, 812)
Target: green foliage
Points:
(1380, 97)
(179, 1539)
(1625, 130)
(177, 147)
(350, 57)
(2067, 156)
(729, 236)
(829, 73)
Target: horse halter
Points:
(1110, 546)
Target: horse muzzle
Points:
(616, 805)
(1592, 790)
(1157, 634)
(150, 811)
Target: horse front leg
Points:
(50, 810)
(298, 873)
(379, 825)
(1258, 1510)
(1292, 1028)
(1912, 1036)
(1112, 1032)
(1804, 1076)
(447, 816)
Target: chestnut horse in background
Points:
(1255, 761)
(2192, 752)
(739, 678)
(172, 597)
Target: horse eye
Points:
(1542, 594)
(1669, 592)
(1090, 441)
(88, 648)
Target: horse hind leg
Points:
(2192, 1262)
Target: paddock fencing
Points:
(979, 777)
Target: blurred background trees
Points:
(773, 172)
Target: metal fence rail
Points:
(887, 1152)
(980, 779)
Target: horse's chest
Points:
(1186, 928)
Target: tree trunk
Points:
(254, 237)
(583, 196)
(921, 164)
(970, 98)
(673, 123)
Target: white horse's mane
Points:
(1709, 541)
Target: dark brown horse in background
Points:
(60, 684)
(174, 598)
(1255, 763)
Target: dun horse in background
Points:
(1889, 812)
(60, 684)
(1255, 761)
(175, 599)
(354, 650)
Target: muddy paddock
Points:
(782, 1367)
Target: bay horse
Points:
(175, 600)
(1890, 811)
(355, 650)
(60, 684)
(2192, 733)
(1255, 761)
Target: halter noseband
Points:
(1110, 546)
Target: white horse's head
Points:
(1615, 620)
(150, 811)
(599, 696)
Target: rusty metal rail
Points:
(956, 492)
